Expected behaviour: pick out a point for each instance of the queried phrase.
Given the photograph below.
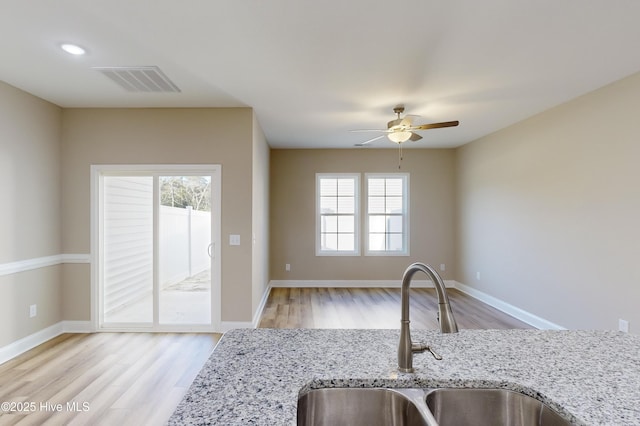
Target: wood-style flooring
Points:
(106, 378)
(126, 379)
(375, 308)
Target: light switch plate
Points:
(234, 240)
(623, 325)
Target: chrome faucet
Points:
(445, 316)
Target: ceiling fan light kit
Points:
(399, 136)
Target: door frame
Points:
(215, 170)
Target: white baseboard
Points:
(263, 302)
(19, 347)
(521, 314)
(353, 283)
(77, 327)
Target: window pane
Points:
(377, 224)
(328, 186)
(346, 205)
(128, 228)
(394, 224)
(376, 205)
(329, 224)
(346, 224)
(394, 187)
(328, 205)
(376, 187)
(329, 242)
(376, 242)
(346, 187)
(394, 242)
(394, 205)
(346, 242)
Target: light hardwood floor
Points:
(119, 378)
(374, 308)
(139, 378)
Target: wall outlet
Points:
(33, 311)
(478, 276)
(623, 325)
(443, 267)
(287, 267)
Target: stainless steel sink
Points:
(489, 407)
(430, 407)
(362, 406)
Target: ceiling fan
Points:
(402, 129)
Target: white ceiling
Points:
(312, 70)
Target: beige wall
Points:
(30, 176)
(549, 210)
(161, 136)
(30, 213)
(292, 234)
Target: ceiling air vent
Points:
(140, 79)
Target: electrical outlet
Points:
(287, 267)
(623, 325)
(33, 311)
(478, 276)
(443, 267)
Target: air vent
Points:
(140, 79)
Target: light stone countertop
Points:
(255, 376)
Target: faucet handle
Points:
(421, 347)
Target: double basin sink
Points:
(423, 407)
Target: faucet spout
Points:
(445, 314)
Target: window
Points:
(337, 214)
(387, 218)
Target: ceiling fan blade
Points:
(394, 123)
(415, 137)
(369, 141)
(436, 125)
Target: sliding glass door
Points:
(158, 263)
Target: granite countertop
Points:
(255, 376)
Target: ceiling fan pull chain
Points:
(399, 155)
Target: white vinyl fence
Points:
(185, 235)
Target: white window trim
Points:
(405, 222)
(356, 251)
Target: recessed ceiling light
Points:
(73, 49)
